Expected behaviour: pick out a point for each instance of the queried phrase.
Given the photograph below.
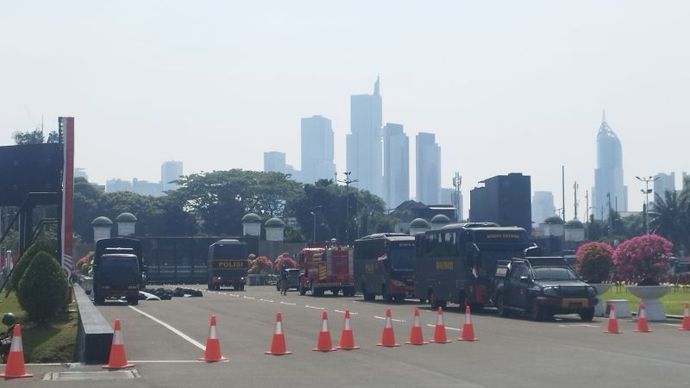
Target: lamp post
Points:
(347, 182)
(313, 213)
(646, 191)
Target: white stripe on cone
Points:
(279, 327)
(468, 318)
(117, 338)
(416, 321)
(347, 324)
(439, 319)
(324, 325)
(212, 332)
(16, 345)
(389, 324)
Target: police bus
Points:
(457, 262)
(384, 265)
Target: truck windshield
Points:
(119, 269)
(402, 258)
(553, 274)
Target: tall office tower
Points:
(274, 161)
(364, 149)
(609, 191)
(396, 165)
(170, 171)
(542, 206)
(664, 183)
(504, 199)
(317, 149)
(428, 172)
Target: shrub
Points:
(26, 258)
(594, 262)
(42, 289)
(643, 260)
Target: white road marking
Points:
(163, 361)
(314, 307)
(267, 300)
(581, 325)
(248, 297)
(671, 324)
(167, 326)
(392, 319)
(447, 328)
(343, 312)
(288, 303)
(234, 295)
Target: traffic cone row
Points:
(613, 321)
(416, 336)
(440, 329)
(642, 325)
(347, 339)
(387, 335)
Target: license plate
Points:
(575, 303)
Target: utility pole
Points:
(587, 204)
(347, 182)
(646, 191)
(575, 187)
(563, 191)
(457, 183)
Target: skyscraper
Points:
(428, 169)
(504, 199)
(542, 206)
(364, 150)
(396, 165)
(664, 183)
(317, 149)
(170, 171)
(609, 191)
(274, 161)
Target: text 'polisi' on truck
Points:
(227, 264)
(384, 265)
(457, 262)
(119, 270)
(542, 287)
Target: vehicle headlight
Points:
(550, 291)
(591, 291)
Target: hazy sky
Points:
(505, 85)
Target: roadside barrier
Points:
(468, 328)
(15, 360)
(118, 357)
(685, 323)
(212, 351)
(347, 338)
(613, 321)
(278, 347)
(440, 329)
(323, 341)
(388, 336)
(416, 336)
(642, 325)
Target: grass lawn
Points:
(673, 301)
(53, 342)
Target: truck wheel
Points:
(302, 290)
(349, 291)
(386, 295)
(501, 307)
(210, 286)
(133, 301)
(587, 315)
(537, 311)
(98, 299)
(335, 291)
(242, 287)
(435, 303)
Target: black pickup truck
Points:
(542, 287)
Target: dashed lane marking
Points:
(288, 303)
(267, 300)
(314, 307)
(671, 324)
(169, 327)
(392, 319)
(343, 312)
(248, 297)
(447, 328)
(581, 325)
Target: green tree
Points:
(85, 208)
(35, 137)
(42, 288)
(669, 218)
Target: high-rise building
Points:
(542, 206)
(144, 187)
(609, 193)
(274, 161)
(396, 165)
(317, 149)
(364, 148)
(114, 185)
(428, 172)
(170, 171)
(664, 183)
(504, 199)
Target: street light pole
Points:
(646, 191)
(347, 182)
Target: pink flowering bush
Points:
(594, 262)
(643, 260)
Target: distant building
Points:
(664, 183)
(449, 196)
(170, 171)
(609, 193)
(364, 148)
(115, 185)
(542, 206)
(428, 168)
(396, 165)
(274, 161)
(146, 188)
(317, 149)
(504, 199)
(80, 173)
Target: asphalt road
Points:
(163, 339)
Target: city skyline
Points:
(506, 86)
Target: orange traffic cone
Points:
(118, 358)
(440, 330)
(642, 326)
(212, 351)
(323, 341)
(613, 322)
(387, 336)
(15, 360)
(468, 329)
(416, 336)
(685, 323)
(347, 339)
(278, 343)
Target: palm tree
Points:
(669, 218)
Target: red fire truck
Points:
(326, 266)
